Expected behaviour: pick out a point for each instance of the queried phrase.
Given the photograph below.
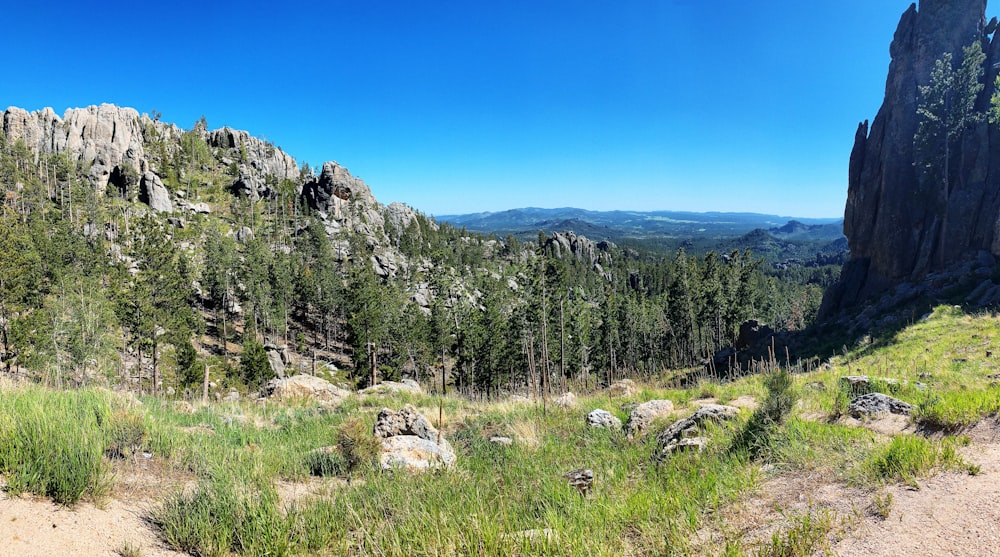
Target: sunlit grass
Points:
(507, 500)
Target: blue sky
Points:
(472, 106)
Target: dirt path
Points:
(36, 527)
(33, 527)
(951, 514)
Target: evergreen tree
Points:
(946, 110)
(255, 370)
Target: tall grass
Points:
(907, 457)
(54, 443)
(501, 500)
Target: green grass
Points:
(804, 537)
(908, 457)
(501, 500)
(953, 410)
(57, 443)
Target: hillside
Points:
(140, 254)
(795, 471)
(641, 225)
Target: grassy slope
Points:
(239, 452)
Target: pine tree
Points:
(946, 110)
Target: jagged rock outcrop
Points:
(104, 136)
(344, 201)
(873, 404)
(332, 189)
(258, 157)
(152, 192)
(410, 442)
(709, 412)
(109, 138)
(566, 244)
(902, 226)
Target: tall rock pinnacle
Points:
(900, 226)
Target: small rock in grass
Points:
(565, 400)
(877, 403)
(603, 419)
(643, 415)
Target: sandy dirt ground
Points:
(33, 527)
(950, 514)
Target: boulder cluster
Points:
(682, 434)
(410, 442)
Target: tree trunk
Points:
(204, 388)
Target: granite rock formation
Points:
(902, 227)
(104, 136)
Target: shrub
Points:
(325, 463)
(254, 367)
(358, 445)
(756, 436)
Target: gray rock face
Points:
(401, 216)
(410, 442)
(305, 387)
(415, 454)
(344, 201)
(244, 235)
(152, 192)
(643, 415)
(259, 158)
(385, 264)
(714, 412)
(603, 419)
(112, 139)
(334, 184)
(623, 388)
(104, 136)
(873, 404)
(565, 400)
(277, 365)
(404, 386)
(900, 224)
(569, 244)
(685, 444)
(407, 421)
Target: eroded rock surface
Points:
(410, 442)
(642, 416)
(601, 418)
(305, 387)
(903, 224)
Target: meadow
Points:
(253, 483)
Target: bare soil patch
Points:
(35, 527)
(950, 514)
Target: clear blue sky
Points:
(465, 106)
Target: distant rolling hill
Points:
(644, 225)
(778, 239)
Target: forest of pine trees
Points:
(95, 287)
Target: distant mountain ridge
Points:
(616, 225)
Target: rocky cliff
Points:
(902, 228)
(110, 140)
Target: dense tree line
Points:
(94, 286)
